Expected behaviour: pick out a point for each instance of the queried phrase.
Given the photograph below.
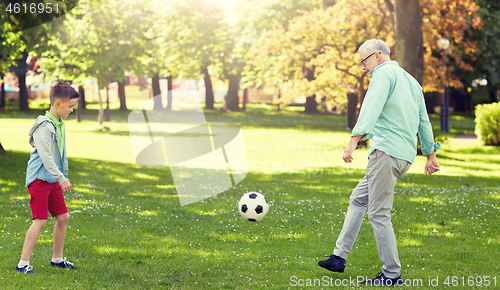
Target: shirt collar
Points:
(390, 62)
(56, 122)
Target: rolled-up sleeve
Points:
(374, 102)
(425, 133)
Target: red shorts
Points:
(46, 196)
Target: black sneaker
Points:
(26, 269)
(334, 264)
(381, 280)
(63, 264)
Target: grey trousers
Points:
(376, 189)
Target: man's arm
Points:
(376, 97)
(347, 156)
(373, 104)
(426, 137)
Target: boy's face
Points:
(65, 107)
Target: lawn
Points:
(128, 230)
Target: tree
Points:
(317, 54)
(407, 22)
(9, 52)
(486, 63)
(29, 32)
(161, 52)
(450, 19)
(245, 29)
(101, 41)
(202, 39)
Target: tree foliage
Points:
(453, 20)
(17, 46)
(317, 54)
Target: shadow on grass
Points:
(131, 221)
(487, 150)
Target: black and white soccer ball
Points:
(253, 206)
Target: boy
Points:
(47, 176)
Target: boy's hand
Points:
(66, 186)
(432, 165)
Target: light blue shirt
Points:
(392, 114)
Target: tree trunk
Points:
(1, 148)
(390, 7)
(2, 94)
(169, 93)
(121, 95)
(409, 38)
(158, 104)
(311, 105)
(79, 107)
(23, 93)
(108, 117)
(81, 102)
(492, 92)
(279, 98)
(361, 98)
(361, 95)
(233, 101)
(245, 96)
(352, 104)
(21, 74)
(100, 116)
(209, 91)
(430, 102)
(459, 99)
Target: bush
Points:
(488, 123)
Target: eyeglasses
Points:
(364, 60)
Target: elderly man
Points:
(392, 114)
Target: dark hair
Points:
(62, 91)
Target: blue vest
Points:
(36, 170)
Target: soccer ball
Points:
(253, 206)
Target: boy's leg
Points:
(353, 219)
(31, 238)
(60, 234)
(39, 191)
(57, 208)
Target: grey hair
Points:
(375, 45)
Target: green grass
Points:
(128, 230)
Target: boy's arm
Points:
(43, 142)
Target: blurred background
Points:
(296, 53)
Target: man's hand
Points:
(66, 186)
(432, 165)
(349, 149)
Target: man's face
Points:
(64, 108)
(369, 61)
